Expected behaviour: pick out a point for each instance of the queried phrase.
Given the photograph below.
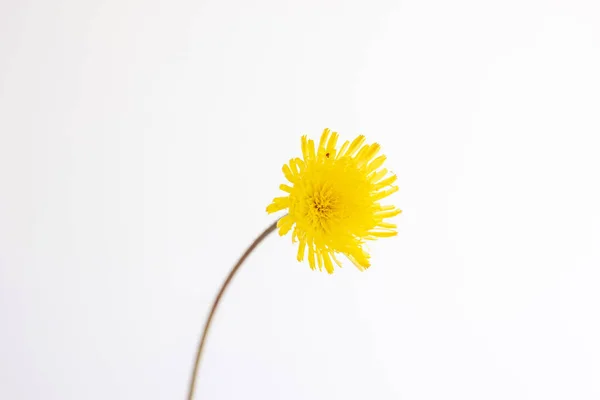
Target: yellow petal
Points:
(375, 147)
(383, 233)
(342, 151)
(285, 224)
(376, 163)
(339, 264)
(327, 262)
(311, 255)
(386, 182)
(319, 255)
(323, 141)
(375, 176)
(331, 145)
(301, 250)
(287, 172)
(385, 193)
(388, 213)
(304, 143)
(355, 145)
(297, 165)
(311, 150)
(279, 203)
(285, 188)
(358, 264)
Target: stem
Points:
(215, 305)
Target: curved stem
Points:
(215, 305)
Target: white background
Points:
(140, 142)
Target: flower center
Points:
(323, 207)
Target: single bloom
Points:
(332, 200)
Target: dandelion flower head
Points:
(333, 201)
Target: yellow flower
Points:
(333, 200)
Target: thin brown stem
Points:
(215, 305)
